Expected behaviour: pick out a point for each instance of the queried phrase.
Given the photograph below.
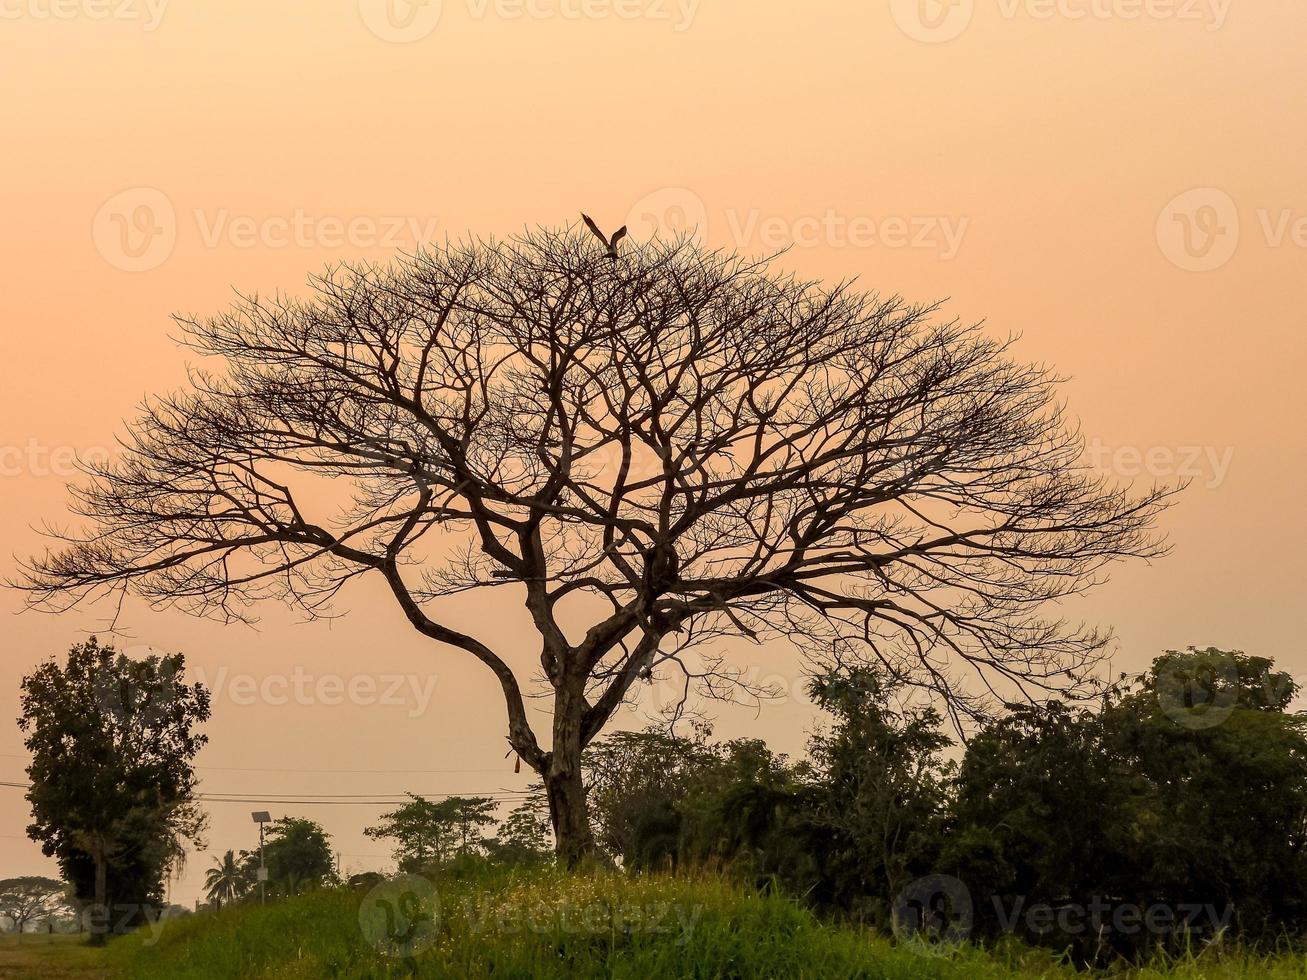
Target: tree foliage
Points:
(523, 837)
(1186, 788)
(429, 833)
(227, 882)
(635, 779)
(297, 854)
(882, 789)
(112, 742)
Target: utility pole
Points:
(262, 817)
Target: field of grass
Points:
(547, 925)
(55, 957)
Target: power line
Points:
(338, 799)
(372, 796)
(356, 798)
(336, 802)
(389, 772)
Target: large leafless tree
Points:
(670, 447)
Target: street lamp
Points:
(261, 817)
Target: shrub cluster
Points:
(1167, 813)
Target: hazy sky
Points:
(1119, 181)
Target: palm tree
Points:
(226, 881)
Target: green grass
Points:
(1233, 963)
(598, 924)
(552, 926)
(52, 957)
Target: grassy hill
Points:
(547, 925)
(552, 926)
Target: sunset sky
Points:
(1120, 182)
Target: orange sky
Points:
(1119, 181)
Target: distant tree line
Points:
(430, 837)
(1170, 811)
(1182, 794)
(296, 853)
(1179, 797)
(430, 834)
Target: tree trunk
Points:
(101, 898)
(563, 784)
(567, 811)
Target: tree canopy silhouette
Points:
(700, 446)
(113, 743)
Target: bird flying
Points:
(609, 243)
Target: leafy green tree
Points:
(28, 898)
(470, 817)
(523, 836)
(1035, 817)
(660, 799)
(422, 836)
(749, 811)
(844, 829)
(428, 833)
(112, 742)
(882, 788)
(298, 856)
(1188, 788)
(1219, 801)
(635, 781)
(226, 882)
